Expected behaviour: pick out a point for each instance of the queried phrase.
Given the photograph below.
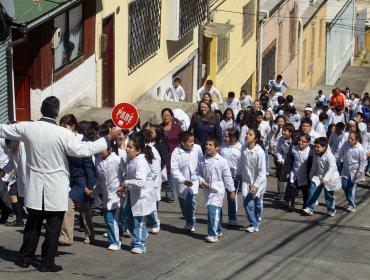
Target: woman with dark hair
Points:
(171, 137)
(204, 124)
(82, 182)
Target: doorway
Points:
(107, 53)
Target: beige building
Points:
(229, 46)
(278, 41)
(312, 42)
(141, 45)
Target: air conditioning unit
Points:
(56, 38)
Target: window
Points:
(144, 30)
(192, 13)
(249, 16)
(292, 33)
(70, 46)
(248, 86)
(223, 51)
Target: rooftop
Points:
(311, 11)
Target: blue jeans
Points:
(315, 192)
(152, 220)
(253, 209)
(188, 206)
(232, 206)
(136, 225)
(112, 219)
(214, 220)
(350, 191)
(171, 185)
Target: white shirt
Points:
(183, 168)
(282, 148)
(320, 129)
(354, 159)
(232, 154)
(265, 128)
(247, 101)
(139, 182)
(216, 172)
(299, 169)
(335, 118)
(313, 134)
(336, 142)
(175, 94)
(155, 168)
(233, 105)
(212, 91)
(243, 133)
(226, 124)
(110, 176)
(182, 117)
(294, 119)
(324, 167)
(252, 168)
(314, 118)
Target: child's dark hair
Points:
(104, 131)
(233, 133)
(306, 137)
(257, 135)
(279, 77)
(209, 82)
(228, 110)
(329, 132)
(69, 119)
(139, 144)
(323, 116)
(259, 113)
(320, 91)
(231, 94)
(361, 115)
(289, 98)
(340, 125)
(82, 127)
(215, 139)
(322, 141)
(240, 113)
(296, 134)
(185, 136)
(147, 135)
(243, 91)
(218, 113)
(109, 123)
(306, 121)
(338, 108)
(289, 127)
(158, 132)
(177, 79)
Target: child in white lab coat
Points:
(184, 160)
(232, 152)
(252, 172)
(214, 175)
(139, 191)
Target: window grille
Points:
(192, 13)
(144, 30)
(292, 33)
(223, 51)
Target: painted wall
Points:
(156, 73)
(339, 54)
(242, 62)
(76, 88)
(313, 50)
(284, 64)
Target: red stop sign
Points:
(125, 115)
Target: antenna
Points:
(8, 6)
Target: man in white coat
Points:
(46, 191)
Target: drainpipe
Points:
(9, 58)
(260, 46)
(300, 36)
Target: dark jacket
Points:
(202, 130)
(82, 174)
(172, 140)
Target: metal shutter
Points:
(4, 114)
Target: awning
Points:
(214, 29)
(30, 13)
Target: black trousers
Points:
(32, 232)
(5, 205)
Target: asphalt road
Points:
(288, 246)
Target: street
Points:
(288, 246)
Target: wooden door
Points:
(186, 75)
(268, 64)
(107, 45)
(22, 55)
(206, 57)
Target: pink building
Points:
(278, 41)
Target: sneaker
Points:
(169, 197)
(126, 233)
(332, 213)
(219, 234)
(88, 240)
(351, 209)
(137, 251)
(189, 227)
(252, 229)
(153, 230)
(233, 223)
(211, 239)
(308, 211)
(15, 223)
(368, 173)
(316, 203)
(105, 234)
(114, 247)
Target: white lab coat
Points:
(110, 173)
(324, 167)
(139, 182)
(336, 142)
(212, 91)
(183, 168)
(354, 159)
(216, 172)
(300, 165)
(19, 161)
(320, 129)
(155, 168)
(233, 105)
(47, 146)
(232, 154)
(252, 168)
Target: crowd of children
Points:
(327, 148)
